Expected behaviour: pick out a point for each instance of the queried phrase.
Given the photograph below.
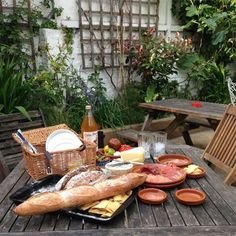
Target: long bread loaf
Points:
(49, 202)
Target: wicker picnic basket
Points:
(61, 161)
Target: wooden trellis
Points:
(105, 24)
(25, 25)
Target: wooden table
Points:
(184, 111)
(217, 216)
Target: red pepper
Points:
(197, 104)
(124, 147)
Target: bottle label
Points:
(91, 136)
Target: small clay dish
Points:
(198, 175)
(152, 196)
(177, 159)
(190, 196)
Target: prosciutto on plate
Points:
(161, 173)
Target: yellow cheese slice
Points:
(133, 155)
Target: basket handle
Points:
(47, 162)
(82, 147)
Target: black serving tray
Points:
(33, 188)
(77, 213)
(49, 182)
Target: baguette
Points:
(49, 202)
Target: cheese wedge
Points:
(133, 155)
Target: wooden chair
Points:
(221, 151)
(11, 151)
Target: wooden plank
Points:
(119, 222)
(34, 223)
(173, 213)
(7, 217)
(183, 106)
(211, 177)
(146, 214)
(102, 47)
(218, 202)
(185, 211)
(12, 179)
(91, 32)
(49, 221)
(62, 222)
(199, 211)
(75, 224)
(18, 116)
(112, 40)
(81, 32)
(161, 216)
(164, 231)
(20, 224)
(133, 215)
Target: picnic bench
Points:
(216, 216)
(186, 118)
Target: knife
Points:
(20, 135)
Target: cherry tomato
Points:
(124, 147)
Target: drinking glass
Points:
(159, 143)
(145, 139)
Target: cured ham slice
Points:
(161, 173)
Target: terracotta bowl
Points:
(196, 176)
(190, 196)
(177, 159)
(152, 196)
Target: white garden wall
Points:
(70, 18)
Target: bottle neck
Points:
(89, 113)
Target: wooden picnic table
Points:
(184, 113)
(216, 216)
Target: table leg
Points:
(179, 119)
(148, 120)
(213, 123)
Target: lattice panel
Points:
(9, 8)
(106, 24)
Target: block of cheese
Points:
(133, 155)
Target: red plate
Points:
(152, 196)
(163, 186)
(158, 174)
(196, 176)
(190, 196)
(177, 159)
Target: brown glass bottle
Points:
(89, 126)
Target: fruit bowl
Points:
(100, 152)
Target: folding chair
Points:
(221, 151)
(232, 91)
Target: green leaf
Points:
(192, 11)
(23, 112)
(186, 62)
(211, 23)
(150, 93)
(219, 37)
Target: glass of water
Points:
(159, 143)
(145, 139)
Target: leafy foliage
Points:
(213, 24)
(154, 59)
(14, 89)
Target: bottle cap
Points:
(88, 107)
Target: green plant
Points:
(123, 109)
(209, 81)
(14, 89)
(213, 24)
(154, 59)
